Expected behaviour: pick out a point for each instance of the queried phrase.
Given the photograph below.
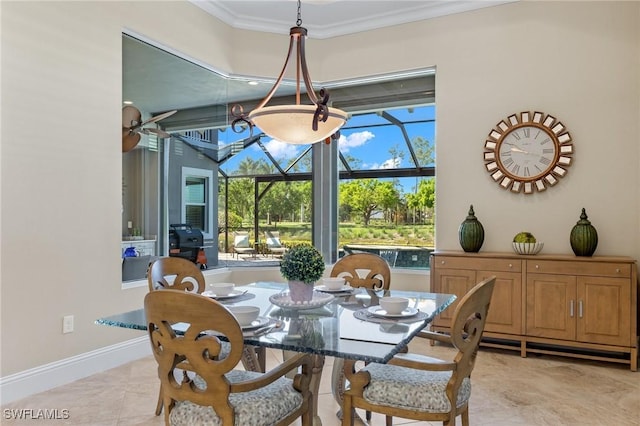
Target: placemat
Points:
(365, 315)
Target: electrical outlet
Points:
(67, 324)
(414, 258)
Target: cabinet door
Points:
(604, 310)
(452, 281)
(505, 311)
(551, 306)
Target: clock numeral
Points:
(526, 172)
(515, 169)
(516, 135)
(547, 140)
(527, 132)
(545, 161)
(537, 134)
(508, 162)
(548, 151)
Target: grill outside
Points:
(184, 241)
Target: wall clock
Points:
(528, 152)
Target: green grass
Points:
(352, 233)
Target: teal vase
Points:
(584, 237)
(471, 233)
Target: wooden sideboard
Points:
(584, 307)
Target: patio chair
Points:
(274, 246)
(198, 380)
(242, 245)
(417, 387)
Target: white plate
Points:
(379, 312)
(234, 293)
(258, 322)
(324, 288)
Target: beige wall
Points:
(60, 151)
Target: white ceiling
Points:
(331, 18)
(158, 81)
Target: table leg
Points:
(316, 375)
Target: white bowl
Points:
(394, 305)
(528, 248)
(333, 283)
(245, 314)
(221, 289)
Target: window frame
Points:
(207, 175)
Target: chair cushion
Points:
(262, 407)
(412, 389)
(273, 242)
(241, 241)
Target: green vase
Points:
(471, 233)
(584, 237)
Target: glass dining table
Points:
(347, 324)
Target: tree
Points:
(425, 196)
(366, 196)
(424, 151)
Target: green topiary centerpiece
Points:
(302, 266)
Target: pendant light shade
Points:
(295, 123)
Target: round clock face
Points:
(528, 152)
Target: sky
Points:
(367, 137)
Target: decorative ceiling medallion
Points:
(528, 152)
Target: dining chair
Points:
(274, 246)
(242, 245)
(363, 270)
(189, 278)
(422, 388)
(199, 382)
(366, 270)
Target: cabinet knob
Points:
(442, 262)
(537, 266)
(510, 265)
(618, 270)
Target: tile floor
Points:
(507, 391)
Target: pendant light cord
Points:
(299, 21)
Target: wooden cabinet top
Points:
(558, 257)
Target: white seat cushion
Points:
(262, 407)
(412, 389)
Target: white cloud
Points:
(281, 150)
(391, 163)
(354, 140)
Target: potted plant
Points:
(302, 266)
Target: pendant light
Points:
(296, 123)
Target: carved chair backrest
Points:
(188, 276)
(363, 270)
(181, 358)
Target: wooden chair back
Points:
(469, 320)
(188, 276)
(194, 352)
(363, 270)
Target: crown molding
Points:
(353, 18)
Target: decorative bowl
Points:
(394, 305)
(245, 314)
(528, 248)
(333, 283)
(221, 289)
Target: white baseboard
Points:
(49, 376)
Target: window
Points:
(197, 192)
